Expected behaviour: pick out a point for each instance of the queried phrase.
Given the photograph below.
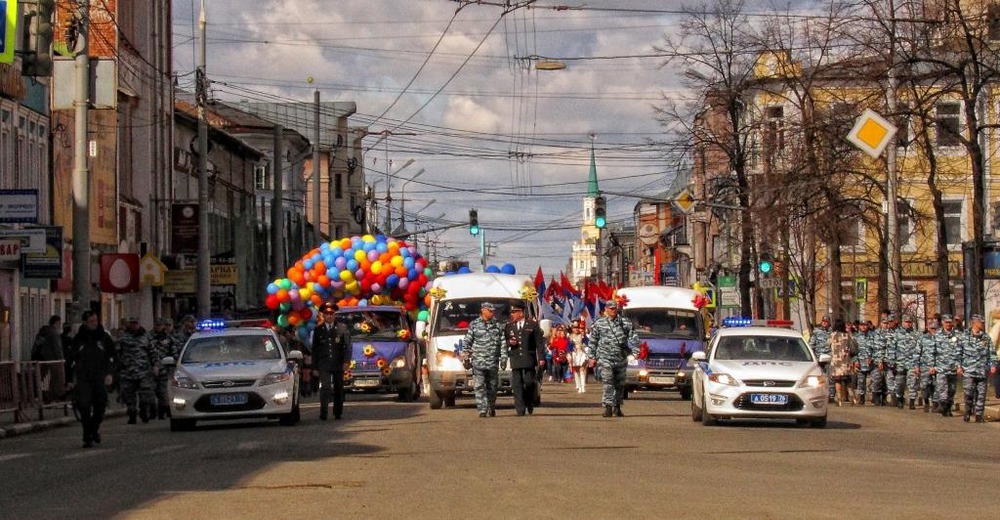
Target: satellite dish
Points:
(649, 234)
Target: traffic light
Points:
(600, 212)
(37, 60)
(473, 222)
(766, 265)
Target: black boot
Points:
(618, 411)
(161, 412)
(131, 416)
(927, 406)
(967, 416)
(607, 411)
(980, 419)
(861, 400)
(945, 408)
(913, 405)
(144, 413)
(951, 409)
(936, 407)
(900, 401)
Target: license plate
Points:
(228, 399)
(661, 380)
(366, 383)
(771, 399)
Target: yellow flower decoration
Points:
(365, 327)
(528, 293)
(348, 374)
(353, 364)
(403, 334)
(369, 350)
(437, 293)
(382, 363)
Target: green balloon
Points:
(285, 284)
(428, 271)
(283, 320)
(422, 316)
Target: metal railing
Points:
(30, 388)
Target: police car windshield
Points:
(454, 316)
(664, 323)
(762, 348)
(230, 348)
(382, 324)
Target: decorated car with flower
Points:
(670, 327)
(384, 355)
(456, 301)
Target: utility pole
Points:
(892, 219)
(81, 170)
(204, 250)
(277, 206)
(316, 227)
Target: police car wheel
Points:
(449, 399)
(695, 412)
(290, 418)
(435, 399)
(708, 419)
(181, 425)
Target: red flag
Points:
(553, 290)
(539, 280)
(567, 286)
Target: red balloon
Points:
(271, 301)
(306, 314)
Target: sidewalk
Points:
(54, 418)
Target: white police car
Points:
(233, 371)
(759, 372)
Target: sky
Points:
(457, 91)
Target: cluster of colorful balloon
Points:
(376, 270)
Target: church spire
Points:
(592, 189)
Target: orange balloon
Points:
(402, 271)
(319, 267)
(282, 295)
(323, 280)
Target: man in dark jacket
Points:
(525, 350)
(48, 347)
(91, 356)
(331, 354)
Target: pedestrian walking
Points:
(164, 345)
(976, 359)
(945, 369)
(927, 360)
(907, 361)
(613, 340)
(841, 347)
(864, 362)
(92, 357)
(525, 350)
(331, 349)
(483, 347)
(136, 366)
(559, 346)
(578, 359)
(819, 341)
(48, 351)
(883, 347)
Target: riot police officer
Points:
(976, 359)
(483, 346)
(944, 370)
(613, 340)
(136, 364)
(164, 345)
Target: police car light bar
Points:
(739, 321)
(219, 324)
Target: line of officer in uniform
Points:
(331, 355)
(164, 344)
(526, 351)
(946, 366)
(137, 363)
(976, 358)
(484, 347)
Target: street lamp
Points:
(388, 185)
(402, 199)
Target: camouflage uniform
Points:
(864, 363)
(907, 360)
(483, 346)
(927, 360)
(611, 342)
(136, 360)
(819, 341)
(164, 345)
(976, 357)
(883, 353)
(947, 362)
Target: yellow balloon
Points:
(360, 255)
(352, 287)
(346, 276)
(368, 238)
(396, 261)
(377, 299)
(376, 267)
(305, 293)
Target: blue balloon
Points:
(464, 270)
(272, 288)
(337, 251)
(392, 281)
(408, 262)
(508, 269)
(308, 264)
(492, 269)
(324, 247)
(413, 274)
(352, 265)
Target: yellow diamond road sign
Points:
(871, 133)
(685, 201)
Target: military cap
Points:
(826, 317)
(887, 318)
(328, 307)
(517, 306)
(946, 317)
(611, 304)
(163, 320)
(907, 317)
(975, 317)
(487, 306)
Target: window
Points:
(906, 230)
(853, 233)
(260, 180)
(774, 134)
(948, 122)
(993, 18)
(338, 186)
(953, 222)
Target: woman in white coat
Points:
(578, 358)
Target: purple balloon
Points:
(376, 288)
(373, 255)
(359, 274)
(403, 282)
(340, 262)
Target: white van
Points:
(455, 303)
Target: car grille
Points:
(663, 361)
(743, 403)
(254, 402)
(769, 383)
(229, 383)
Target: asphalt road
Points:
(397, 460)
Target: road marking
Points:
(87, 453)
(165, 449)
(13, 456)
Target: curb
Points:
(14, 430)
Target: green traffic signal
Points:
(766, 266)
(473, 222)
(600, 212)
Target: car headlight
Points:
(183, 382)
(449, 361)
(724, 379)
(813, 382)
(275, 377)
(399, 362)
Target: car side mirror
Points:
(546, 326)
(420, 329)
(295, 355)
(168, 361)
(699, 356)
(825, 359)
